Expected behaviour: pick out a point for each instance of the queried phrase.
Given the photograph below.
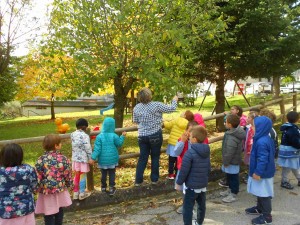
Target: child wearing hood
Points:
(106, 153)
(261, 171)
(194, 172)
(289, 150)
(232, 148)
(177, 128)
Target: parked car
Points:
(289, 88)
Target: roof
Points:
(67, 103)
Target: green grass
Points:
(42, 125)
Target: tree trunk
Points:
(120, 102)
(52, 107)
(220, 98)
(276, 86)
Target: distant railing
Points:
(280, 100)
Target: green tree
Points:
(244, 49)
(128, 44)
(13, 27)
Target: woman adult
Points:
(148, 115)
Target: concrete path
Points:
(162, 209)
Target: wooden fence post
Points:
(90, 178)
(295, 102)
(282, 110)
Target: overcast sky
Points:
(39, 10)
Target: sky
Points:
(39, 10)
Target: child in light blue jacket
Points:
(106, 153)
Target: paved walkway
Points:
(161, 209)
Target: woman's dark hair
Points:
(240, 113)
(11, 155)
(50, 141)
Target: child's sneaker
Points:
(179, 210)
(223, 183)
(262, 220)
(103, 190)
(253, 211)
(287, 185)
(75, 195)
(225, 193)
(230, 198)
(112, 191)
(84, 195)
(171, 176)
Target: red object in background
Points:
(242, 87)
(95, 129)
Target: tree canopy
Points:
(127, 43)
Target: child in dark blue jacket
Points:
(289, 150)
(194, 173)
(261, 171)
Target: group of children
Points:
(52, 176)
(256, 137)
(189, 165)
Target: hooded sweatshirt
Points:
(195, 167)
(107, 144)
(262, 158)
(290, 141)
(232, 146)
(199, 119)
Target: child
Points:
(55, 177)
(81, 154)
(194, 173)
(249, 139)
(289, 150)
(17, 183)
(273, 134)
(262, 170)
(235, 110)
(106, 153)
(180, 149)
(177, 127)
(199, 119)
(232, 148)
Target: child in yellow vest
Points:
(177, 128)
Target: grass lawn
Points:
(41, 125)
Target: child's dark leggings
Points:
(233, 182)
(172, 165)
(264, 205)
(55, 219)
(112, 177)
